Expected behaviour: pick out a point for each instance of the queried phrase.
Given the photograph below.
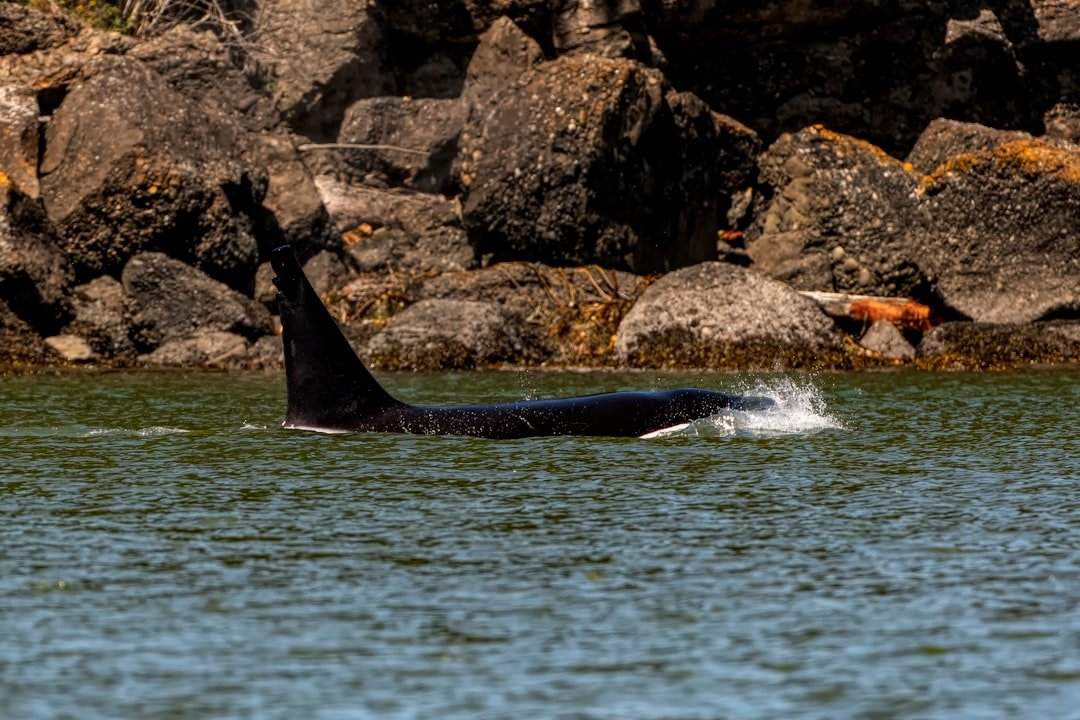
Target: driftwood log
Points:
(903, 313)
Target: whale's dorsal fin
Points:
(327, 385)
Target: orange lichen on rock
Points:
(1032, 158)
(1036, 157)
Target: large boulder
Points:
(587, 159)
(412, 142)
(24, 30)
(100, 318)
(716, 315)
(130, 165)
(204, 348)
(1002, 244)
(170, 301)
(452, 334)
(323, 55)
(886, 340)
(199, 66)
(504, 53)
(833, 215)
(50, 52)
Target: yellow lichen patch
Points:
(4, 179)
(1033, 158)
(356, 235)
(956, 164)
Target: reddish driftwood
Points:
(903, 313)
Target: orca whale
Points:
(329, 389)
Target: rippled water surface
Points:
(882, 545)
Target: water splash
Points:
(800, 409)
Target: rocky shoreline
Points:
(548, 183)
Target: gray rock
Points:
(886, 340)
(205, 348)
(983, 346)
(717, 315)
(166, 176)
(986, 236)
(326, 272)
(100, 315)
(72, 348)
(502, 56)
(323, 55)
(1001, 243)
(170, 301)
(292, 211)
(416, 139)
(197, 64)
(265, 292)
(59, 52)
(24, 30)
(589, 159)
(834, 215)
(265, 354)
(449, 334)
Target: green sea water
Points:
(879, 545)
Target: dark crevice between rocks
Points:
(22, 297)
(437, 175)
(1065, 312)
(319, 113)
(1052, 70)
(410, 56)
(268, 231)
(48, 100)
(19, 289)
